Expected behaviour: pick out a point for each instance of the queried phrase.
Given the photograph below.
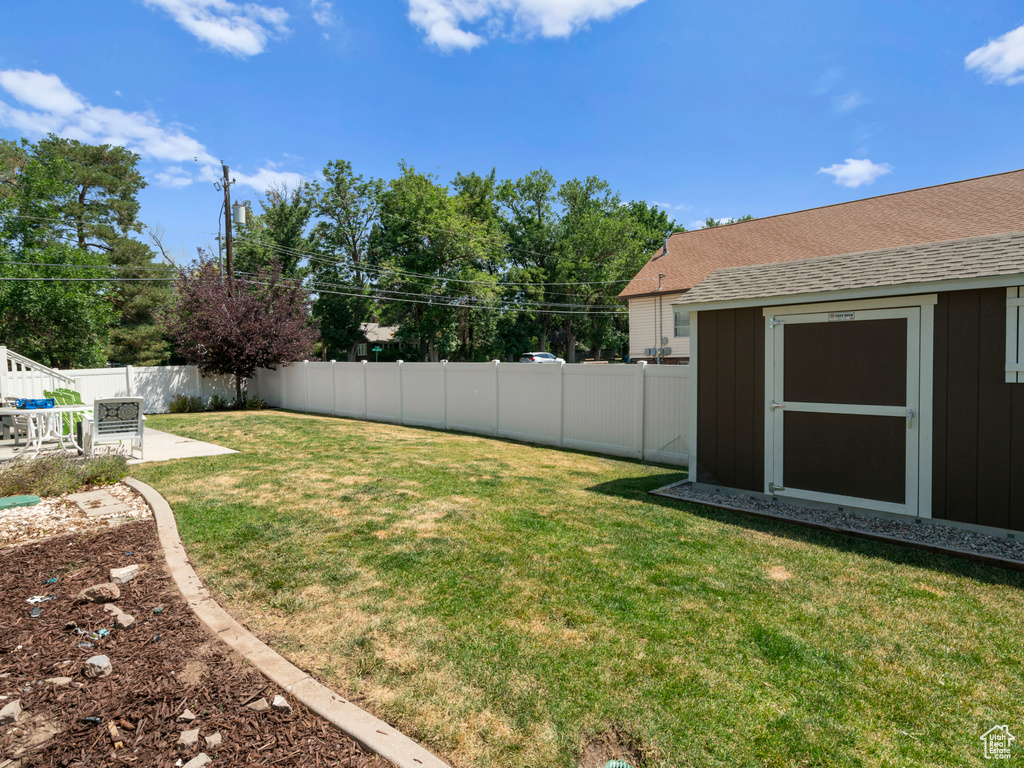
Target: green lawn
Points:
(505, 603)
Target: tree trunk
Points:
(570, 343)
(542, 345)
(434, 357)
(597, 354)
(353, 352)
(238, 390)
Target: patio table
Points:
(45, 424)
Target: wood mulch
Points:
(166, 663)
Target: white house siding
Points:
(645, 332)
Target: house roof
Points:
(982, 206)
(973, 257)
(375, 332)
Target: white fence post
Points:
(199, 382)
(444, 394)
(401, 402)
(129, 375)
(334, 387)
(640, 398)
(364, 390)
(561, 402)
(305, 379)
(496, 409)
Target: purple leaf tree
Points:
(264, 321)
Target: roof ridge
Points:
(849, 202)
(930, 244)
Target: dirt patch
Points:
(779, 573)
(162, 665)
(613, 744)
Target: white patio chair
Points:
(115, 420)
(19, 425)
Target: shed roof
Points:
(973, 257)
(982, 206)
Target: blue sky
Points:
(708, 109)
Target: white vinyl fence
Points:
(22, 377)
(156, 385)
(637, 411)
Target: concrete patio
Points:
(160, 446)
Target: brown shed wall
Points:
(978, 466)
(730, 411)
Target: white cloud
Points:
(1002, 60)
(670, 207)
(442, 20)
(173, 176)
(55, 108)
(848, 101)
(323, 12)
(45, 92)
(239, 29)
(853, 173)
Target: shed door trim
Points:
(921, 337)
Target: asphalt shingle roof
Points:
(983, 206)
(973, 257)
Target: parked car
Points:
(539, 357)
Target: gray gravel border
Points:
(944, 539)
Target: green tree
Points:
(434, 260)
(599, 244)
(277, 235)
(98, 211)
(711, 222)
(53, 298)
(530, 219)
(348, 208)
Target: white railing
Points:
(22, 377)
(638, 411)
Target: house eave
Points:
(907, 289)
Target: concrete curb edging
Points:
(371, 733)
(963, 554)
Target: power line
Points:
(371, 268)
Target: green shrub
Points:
(218, 403)
(185, 404)
(255, 404)
(58, 473)
(105, 470)
(44, 476)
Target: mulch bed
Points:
(154, 678)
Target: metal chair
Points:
(115, 420)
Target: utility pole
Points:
(229, 246)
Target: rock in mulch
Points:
(187, 716)
(123, 575)
(187, 740)
(280, 704)
(198, 761)
(213, 740)
(142, 697)
(98, 666)
(10, 713)
(260, 705)
(99, 593)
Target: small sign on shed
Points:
(835, 317)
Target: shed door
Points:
(843, 410)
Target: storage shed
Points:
(888, 380)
